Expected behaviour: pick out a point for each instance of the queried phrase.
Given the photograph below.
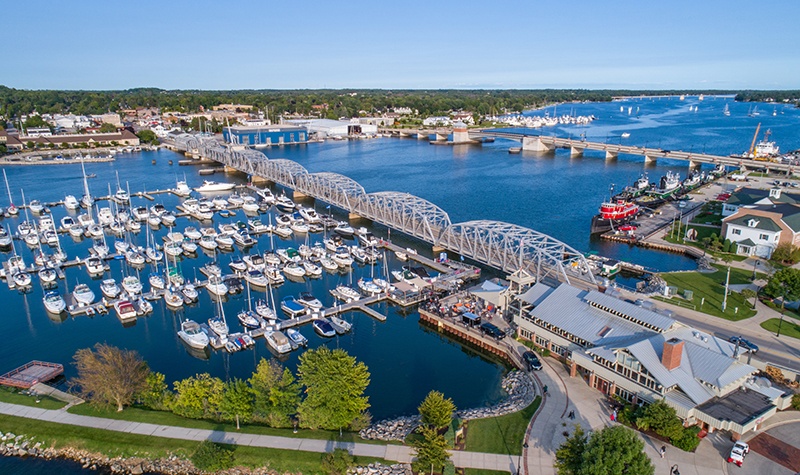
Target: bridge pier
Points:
(611, 155)
(693, 165)
(437, 250)
(535, 144)
(650, 159)
(354, 216)
(575, 151)
(297, 195)
(440, 138)
(257, 180)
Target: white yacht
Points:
(110, 288)
(193, 335)
(70, 202)
(278, 342)
(132, 285)
(125, 310)
(212, 186)
(256, 278)
(296, 338)
(54, 302)
(216, 286)
(250, 205)
(181, 188)
(310, 215)
(308, 300)
(83, 294)
(94, 265)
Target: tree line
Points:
(330, 103)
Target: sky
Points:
(411, 44)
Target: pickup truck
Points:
(738, 453)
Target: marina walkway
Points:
(395, 453)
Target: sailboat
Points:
(11, 210)
(726, 111)
(217, 323)
(86, 201)
(121, 196)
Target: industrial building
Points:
(265, 136)
(324, 128)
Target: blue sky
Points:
(408, 44)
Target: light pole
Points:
(755, 264)
(783, 306)
(519, 459)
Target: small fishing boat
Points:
(323, 327)
(296, 338)
(341, 326)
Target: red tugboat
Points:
(614, 214)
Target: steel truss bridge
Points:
(504, 246)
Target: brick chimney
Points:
(671, 357)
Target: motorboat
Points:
(266, 195)
(224, 241)
(83, 294)
(154, 220)
(95, 230)
(345, 293)
(256, 278)
(328, 264)
(47, 275)
(237, 264)
(125, 310)
(100, 248)
(368, 287)
(342, 257)
(282, 231)
(21, 279)
(366, 238)
(249, 319)
(208, 243)
(105, 216)
(76, 230)
(218, 326)
(308, 300)
(254, 261)
(212, 186)
(340, 325)
(36, 206)
(152, 254)
(189, 292)
(173, 249)
(216, 286)
(250, 205)
(344, 229)
(168, 218)
(283, 203)
(211, 269)
(5, 238)
(134, 258)
(294, 269)
(132, 285)
(94, 265)
(264, 310)
(173, 299)
(71, 203)
(220, 203)
(310, 215)
(121, 246)
(140, 213)
(323, 327)
(271, 259)
(311, 269)
(133, 226)
(193, 335)
(257, 226)
(278, 342)
(110, 289)
(296, 338)
(299, 227)
(192, 233)
(242, 238)
(274, 275)
(188, 246)
(235, 201)
(292, 307)
(181, 188)
(54, 302)
(156, 281)
(143, 307)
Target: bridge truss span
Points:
(510, 247)
(333, 188)
(405, 212)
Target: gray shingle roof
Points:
(763, 222)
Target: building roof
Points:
(762, 222)
(746, 242)
(629, 311)
(740, 406)
(536, 294)
(752, 196)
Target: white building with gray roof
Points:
(640, 355)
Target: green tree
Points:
(614, 450)
(107, 128)
(156, 393)
(148, 136)
(29, 144)
(108, 375)
(726, 245)
(212, 457)
(198, 397)
(796, 402)
(276, 393)
(337, 462)
(334, 387)
(783, 253)
(237, 402)
(35, 121)
(436, 410)
(784, 282)
(569, 454)
(750, 294)
(431, 451)
(661, 418)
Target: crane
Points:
(752, 152)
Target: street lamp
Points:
(783, 306)
(519, 459)
(755, 264)
(674, 470)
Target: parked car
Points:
(738, 453)
(744, 344)
(492, 330)
(532, 360)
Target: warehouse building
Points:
(324, 128)
(265, 136)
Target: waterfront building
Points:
(759, 222)
(336, 128)
(125, 137)
(642, 356)
(441, 121)
(754, 197)
(265, 136)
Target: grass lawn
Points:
(138, 414)
(789, 327)
(709, 288)
(479, 471)
(15, 397)
(500, 435)
(121, 444)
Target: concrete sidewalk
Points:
(396, 453)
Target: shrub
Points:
(337, 462)
(796, 402)
(545, 352)
(212, 457)
(687, 440)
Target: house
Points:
(752, 197)
(642, 356)
(758, 229)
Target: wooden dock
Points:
(34, 372)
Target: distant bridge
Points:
(504, 246)
(545, 143)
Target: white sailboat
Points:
(11, 210)
(86, 201)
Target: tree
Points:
(334, 386)
(212, 457)
(109, 375)
(237, 402)
(148, 136)
(785, 282)
(569, 454)
(783, 253)
(107, 128)
(198, 397)
(337, 462)
(276, 393)
(35, 121)
(156, 393)
(431, 450)
(614, 450)
(436, 411)
(750, 294)
(661, 418)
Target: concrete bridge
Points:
(545, 143)
(420, 133)
(504, 246)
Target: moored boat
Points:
(323, 327)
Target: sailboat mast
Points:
(8, 189)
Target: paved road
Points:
(397, 453)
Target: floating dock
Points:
(32, 373)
